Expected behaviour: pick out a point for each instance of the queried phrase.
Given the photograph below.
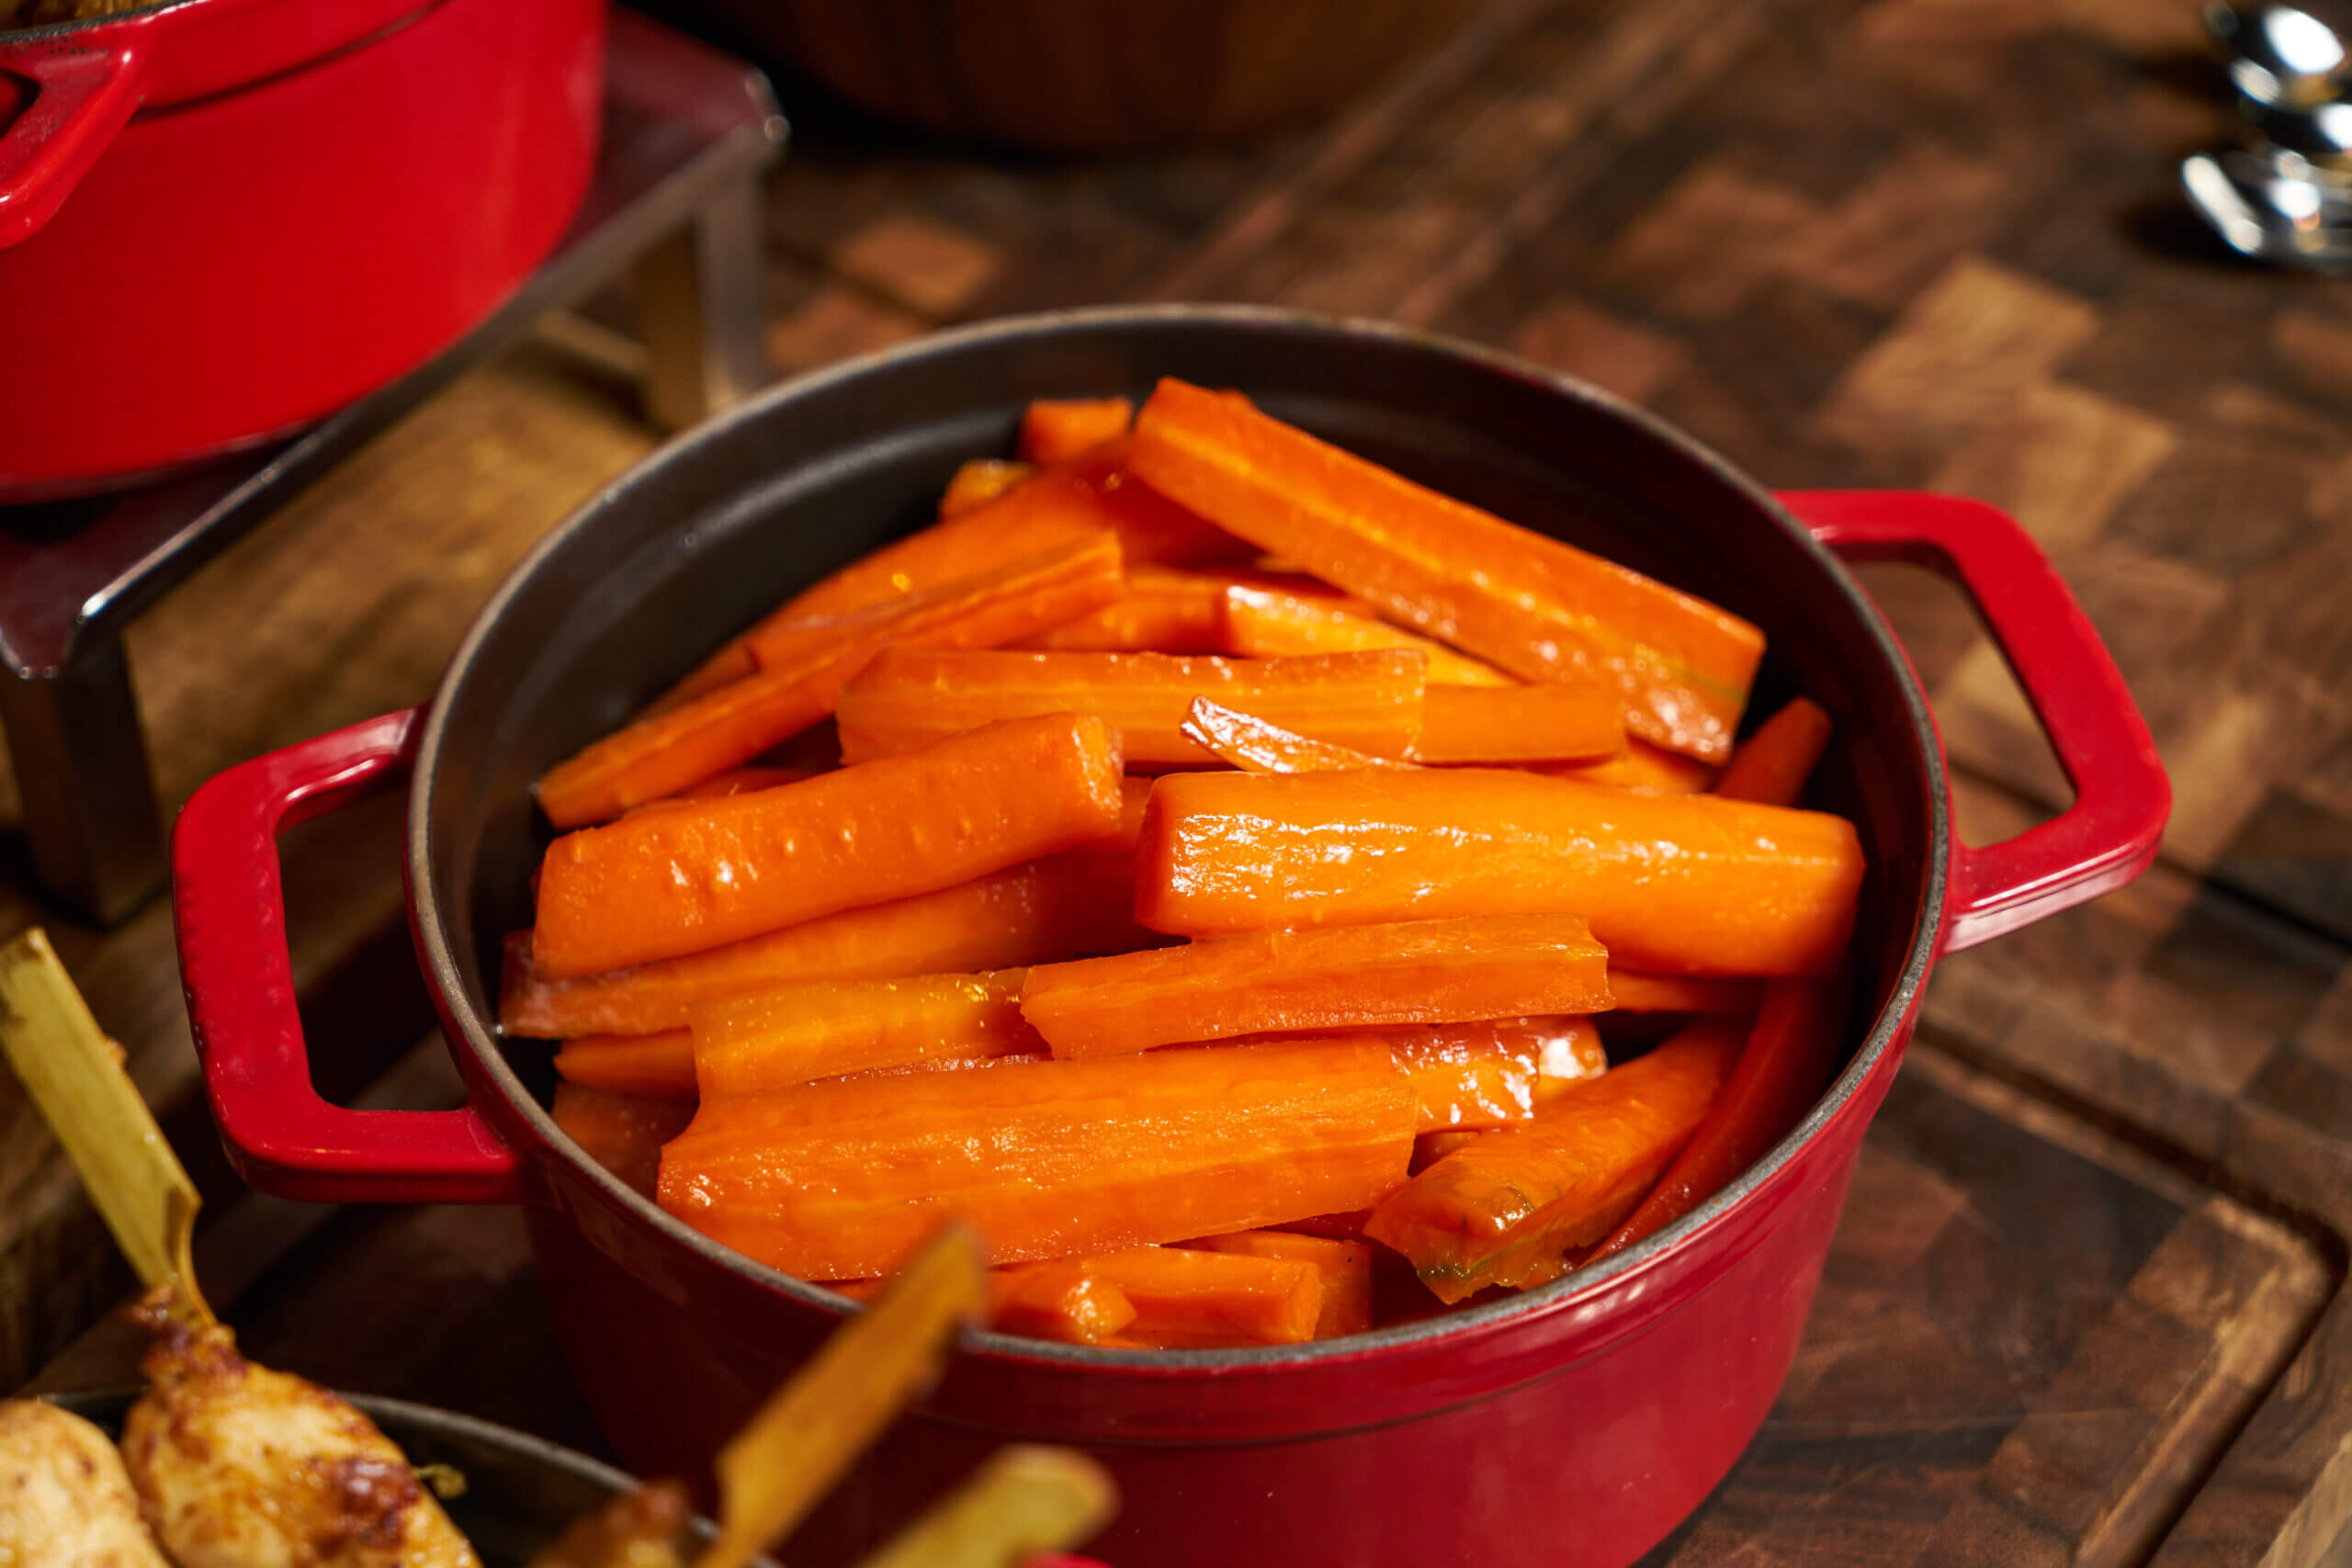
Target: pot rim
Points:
(1580, 1288)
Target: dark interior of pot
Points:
(712, 532)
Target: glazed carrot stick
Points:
(1772, 764)
(1554, 722)
(623, 1133)
(1679, 884)
(1537, 607)
(1057, 430)
(1639, 992)
(823, 1028)
(1788, 1061)
(1057, 1299)
(1064, 906)
(1501, 1210)
(677, 882)
(803, 664)
(1431, 1148)
(660, 1063)
(1196, 1299)
(734, 780)
(1642, 767)
(1163, 611)
(843, 1179)
(1259, 746)
(1492, 1072)
(1442, 971)
(1369, 701)
(979, 481)
(1151, 529)
(1277, 622)
(1345, 1266)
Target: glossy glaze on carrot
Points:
(1637, 991)
(623, 1133)
(822, 1029)
(1554, 722)
(1531, 604)
(1200, 1299)
(1340, 977)
(1501, 1210)
(1772, 764)
(676, 882)
(1059, 430)
(1162, 611)
(1344, 1265)
(662, 1063)
(1274, 622)
(843, 1179)
(1495, 1071)
(1065, 906)
(1676, 883)
(975, 483)
(1256, 745)
(1371, 702)
(1054, 1300)
(1641, 766)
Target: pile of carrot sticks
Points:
(1263, 896)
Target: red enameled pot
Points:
(222, 218)
(1571, 1424)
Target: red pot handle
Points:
(229, 908)
(80, 100)
(2122, 797)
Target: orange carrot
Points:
(1277, 622)
(1064, 906)
(844, 1179)
(1639, 992)
(1162, 612)
(659, 1063)
(1058, 430)
(1345, 1266)
(1535, 607)
(1369, 701)
(1772, 764)
(1196, 1299)
(803, 664)
(1343, 977)
(1054, 1299)
(1520, 724)
(677, 882)
(734, 780)
(1431, 1148)
(1679, 883)
(1151, 529)
(1496, 1071)
(1642, 767)
(623, 1133)
(1502, 1209)
(825, 1028)
(979, 481)
(1346, 1226)
(1788, 1061)
(1259, 746)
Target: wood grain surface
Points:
(2087, 1301)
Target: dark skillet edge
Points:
(430, 927)
(48, 31)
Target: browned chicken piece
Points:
(64, 1497)
(237, 1466)
(636, 1529)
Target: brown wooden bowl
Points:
(1088, 76)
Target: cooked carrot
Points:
(1679, 883)
(1058, 430)
(843, 1179)
(1345, 1266)
(1642, 767)
(1054, 509)
(1151, 529)
(734, 780)
(677, 882)
(979, 481)
(803, 664)
(1064, 906)
(1259, 746)
(1054, 1299)
(1788, 1061)
(1639, 992)
(823, 1028)
(1279, 623)
(1442, 971)
(1497, 1210)
(1493, 1072)
(660, 1063)
(623, 1133)
(1772, 764)
(1554, 722)
(1369, 701)
(1431, 1148)
(1196, 1299)
(1163, 611)
(1535, 607)
(1346, 1226)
